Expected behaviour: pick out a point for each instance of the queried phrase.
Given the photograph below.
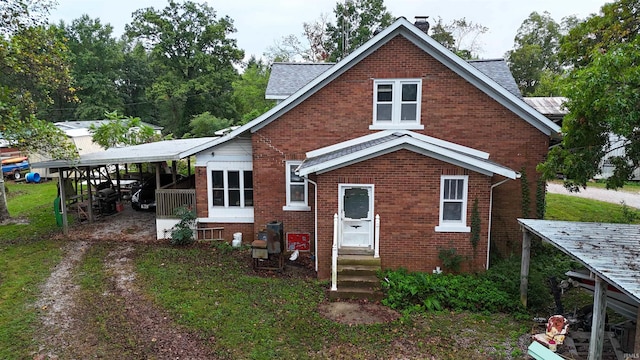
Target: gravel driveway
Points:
(613, 196)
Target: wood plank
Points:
(596, 341)
(636, 342)
(524, 266)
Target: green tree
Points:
(120, 131)
(356, 22)
(603, 102)
(617, 23)
(135, 84)
(97, 60)
(249, 90)
(535, 52)
(460, 36)
(205, 125)
(32, 66)
(194, 57)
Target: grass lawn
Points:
(571, 208)
(25, 261)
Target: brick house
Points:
(401, 130)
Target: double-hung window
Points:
(296, 189)
(396, 104)
(453, 203)
(230, 191)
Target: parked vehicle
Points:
(14, 167)
(144, 195)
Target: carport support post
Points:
(597, 324)
(524, 266)
(157, 175)
(636, 346)
(63, 202)
(90, 192)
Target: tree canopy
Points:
(193, 58)
(603, 98)
(356, 22)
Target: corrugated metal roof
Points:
(612, 251)
(85, 124)
(552, 105)
(151, 152)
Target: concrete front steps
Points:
(357, 278)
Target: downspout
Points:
(315, 220)
(490, 214)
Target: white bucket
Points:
(237, 240)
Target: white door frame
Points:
(370, 219)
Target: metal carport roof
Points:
(145, 153)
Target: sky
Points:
(259, 23)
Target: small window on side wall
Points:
(297, 199)
(396, 104)
(453, 204)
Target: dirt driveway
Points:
(68, 334)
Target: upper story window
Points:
(453, 203)
(396, 104)
(296, 189)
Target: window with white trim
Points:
(297, 199)
(453, 203)
(396, 104)
(230, 192)
(232, 188)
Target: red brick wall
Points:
(452, 110)
(407, 198)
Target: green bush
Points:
(429, 292)
(182, 233)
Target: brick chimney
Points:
(422, 23)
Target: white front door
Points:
(356, 215)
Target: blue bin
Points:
(33, 177)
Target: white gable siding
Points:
(238, 149)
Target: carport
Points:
(152, 153)
(609, 251)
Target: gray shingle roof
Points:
(361, 148)
(498, 70)
(287, 78)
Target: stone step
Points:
(360, 282)
(358, 270)
(358, 260)
(355, 293)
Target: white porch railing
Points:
(334, 255)
(334, 249)
(376, 239)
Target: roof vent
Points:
(422, 23)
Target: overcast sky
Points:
(260, 22)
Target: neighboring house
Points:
(554, 109)
(81, 138)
